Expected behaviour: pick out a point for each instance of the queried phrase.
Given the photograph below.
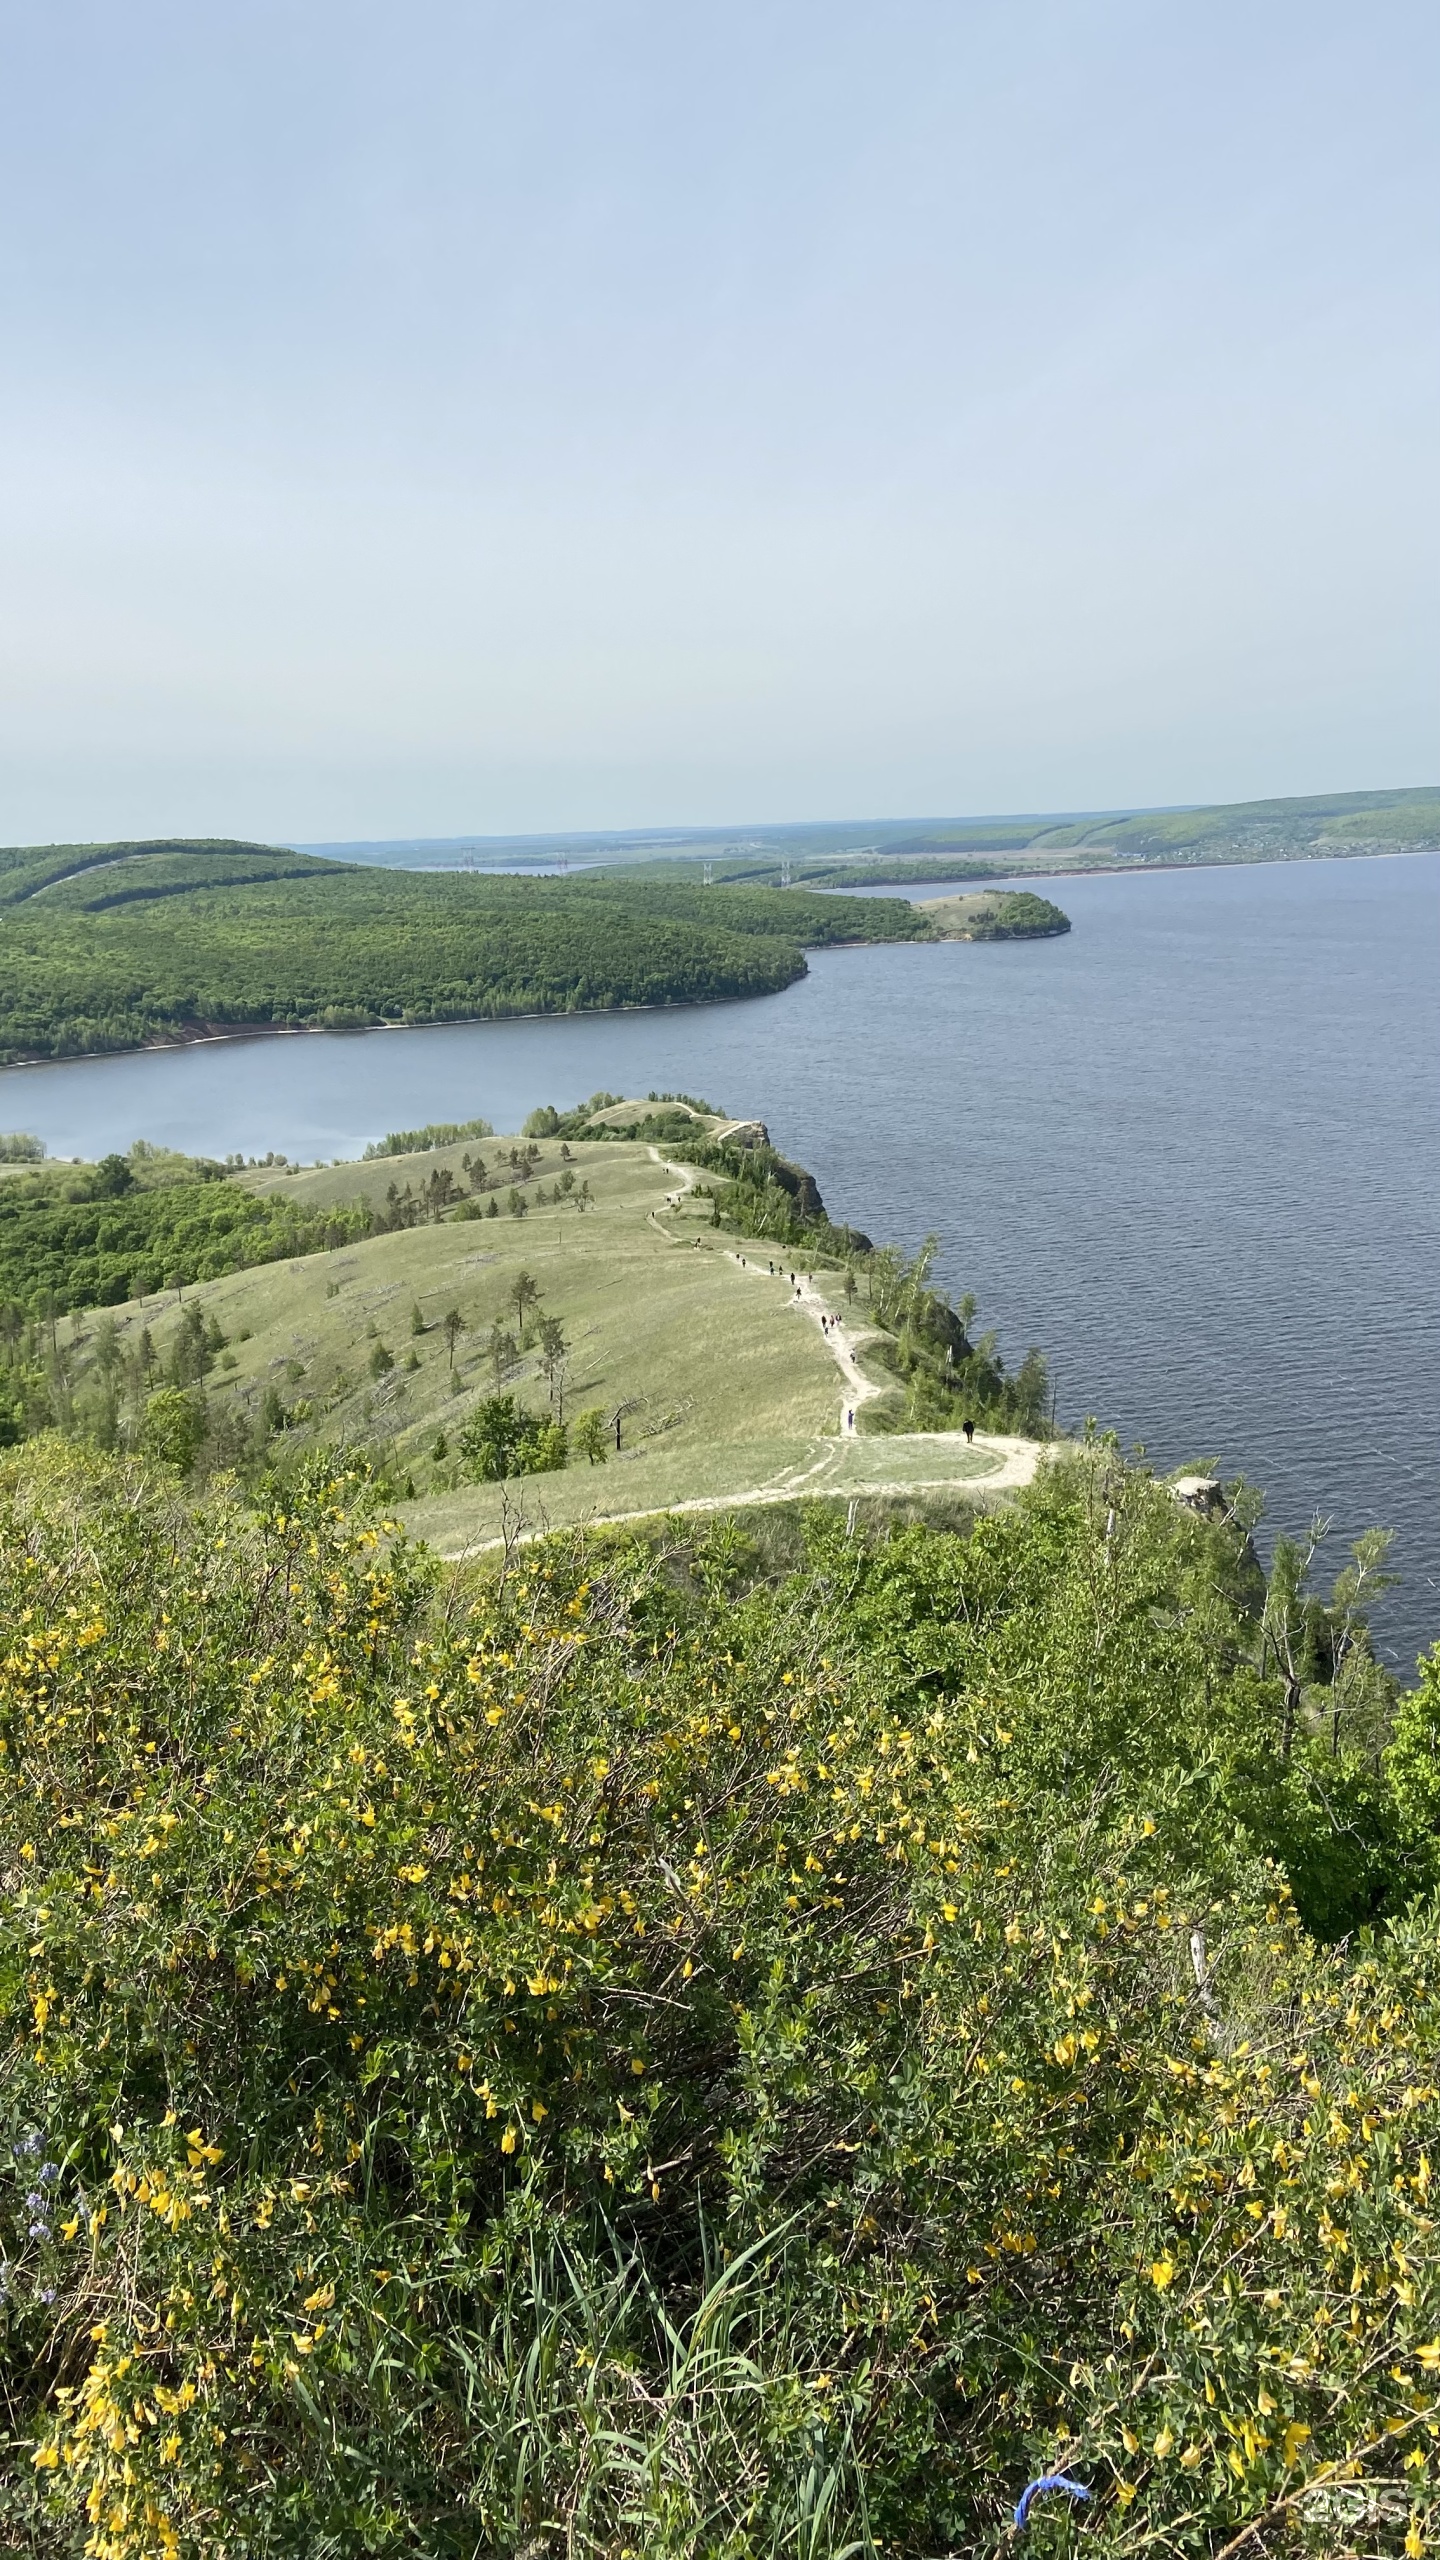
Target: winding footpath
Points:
(1016, 1460)
(835, 1465)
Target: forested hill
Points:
(153, 867)
(113, 946)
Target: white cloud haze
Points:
(459, 418)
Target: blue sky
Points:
(620, 412)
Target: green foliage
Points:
(671, 1122)
(628, 2055)
(1412, 1766)
(946, 1375)
(1018, 915)
(436, 1133)
(140, 870)
(590, 1436)
(501, 1438)
(129, 1242)
(762, 1194)
(18, 1147)
(173, 1429)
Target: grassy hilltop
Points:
(260, 1313)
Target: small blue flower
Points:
(39, 2230)
(1050, 2480)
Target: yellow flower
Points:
(1164, 2443)
(1415, 2539)
(1126, 2491)
(1192, 2457)
(1295, 2435)
(1162, 2274)
(1129, 2439)
(509, 2138)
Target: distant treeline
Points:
(114, 947)
(1347, 822)
(436, 1133)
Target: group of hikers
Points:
(831, 1324)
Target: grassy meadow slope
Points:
(730, 1390)
(724, 1387)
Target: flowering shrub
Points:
(620, 2057)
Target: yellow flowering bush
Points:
(625, 2054)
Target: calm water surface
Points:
(1191, 1149)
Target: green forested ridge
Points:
(677, 2050)
(92, 876)
(108, 946)
(165, 942)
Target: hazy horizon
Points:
(469, 424)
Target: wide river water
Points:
(1191, 1150)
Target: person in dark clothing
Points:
(968, 1427)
